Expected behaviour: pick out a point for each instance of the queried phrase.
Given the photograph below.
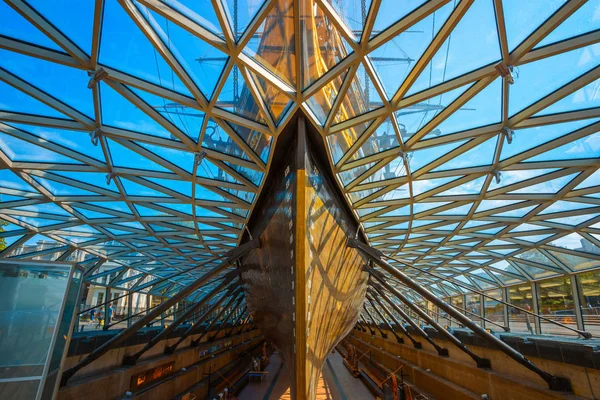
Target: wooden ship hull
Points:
(304, 286)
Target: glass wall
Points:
(474, 308)
(519, 321)
(457, 302)
(555, 302)
(37, 305)
(589, 294)
(494, 310)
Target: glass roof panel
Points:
(124, 47)
(111, 154)
(14, 25)
(522, 18)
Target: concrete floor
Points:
(336, 383)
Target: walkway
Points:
(335, 383)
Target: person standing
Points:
(92, 316)
(110, 313)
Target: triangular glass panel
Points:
(587, 147)
(482, 154)
(10, 180)
(351, 174)
(179, 158)
(237, 98)
(539, 78)
(179, 186)
(420, 158)
(188, 120)
(273, 43)
(276, 101)
(202, 62)
(217, 139)
(577, 263)
(535, 272)
(412, 118)
(200, 11)
(119, 112)
(396, 58)
(483, 109)
(14, 100)
(135, 189)
(384, 138)
(471, 187)
(421, 186)
(60, 189)
(472, 44)
(582, 99)
(97, 179)
(391, 11)
(322, 101)
(563, 206)
(493, 204)
(573, 220)
(528, 138)
(250, 174)
(240, 14)
(20, 150)
(361, 97)
(60, 12)
(14, 25)
(511, 177)
(73, 140)
(340, 142)
(517, 213)
(45, 75)
(140, 59)
(590, 181)
(462, 210)
(208, 170)
(392, 170)
(522, 18)
(122, 156)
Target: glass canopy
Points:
(464, 134)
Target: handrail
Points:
(554, 382)
(229, 257)
(584, 334)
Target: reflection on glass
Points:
(519, 321)
(31, 299)
(494, 310)
(555, 300)
(589, 287)
(474, 308)
(458, 303)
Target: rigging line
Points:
(187, 131)
(430, 72)
(198, 234)
(446, 60)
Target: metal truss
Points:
(162, 195)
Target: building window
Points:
(519, 321)
(589, 287)
(494, 310)
(555, 300)
(474, 308)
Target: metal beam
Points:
(554, 382)
(132, 359)
(196, 327)
(229, 258)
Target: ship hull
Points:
(304, 286)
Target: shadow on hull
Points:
(304, 286)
